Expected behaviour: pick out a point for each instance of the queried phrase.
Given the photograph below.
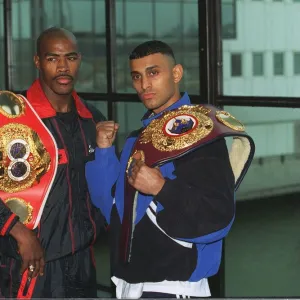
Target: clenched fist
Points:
(106, 133)
(145, 179)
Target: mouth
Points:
(63, 80)
(147, 96)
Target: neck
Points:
(60, 103)
(170, 102)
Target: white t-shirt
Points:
(125, 290)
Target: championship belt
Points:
(28, 159)
(180, 131)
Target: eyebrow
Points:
(152, 67)
(56, 55)
(147, 69)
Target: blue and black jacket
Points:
(195, 205)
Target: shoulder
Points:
(135, 133)
(214, 151)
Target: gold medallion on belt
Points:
(24, 159)
(178, 129)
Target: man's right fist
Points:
(106, 133)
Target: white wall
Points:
(267, 26)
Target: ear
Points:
(177, 73)
(36, 61)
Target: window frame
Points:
(210, 73)
(236, 57)
(279, 56)
(255, 55)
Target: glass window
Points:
(258, 33)
(278, 63)
(85, 18)
(128, 115)
(2, 62)
(258, 64)
(100, 105)
(139, 21)
(229, 19)
(297, 63)
(236, 64)
(263, 244)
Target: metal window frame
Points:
(210, 74)
(209, 78)
(210, 58)
(7, 18)
(235, 100)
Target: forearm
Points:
(101, 175)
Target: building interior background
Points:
(242, 55)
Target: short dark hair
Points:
(151, 47)
(54, 32)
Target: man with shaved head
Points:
(169, 198)
(58, 255)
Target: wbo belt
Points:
(177, 132)
(28, 159)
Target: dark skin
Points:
(58, 62)
(30, 250)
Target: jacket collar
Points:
(148, 117)
(37, 98)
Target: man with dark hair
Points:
(56, 260)
(152, 47)
(174, 184)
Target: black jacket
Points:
(199, 202)
(69, 221)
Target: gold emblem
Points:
(178, 129)
(21, 208)
(228, 120)
(131, 159)
(11, 106)
(23, 159)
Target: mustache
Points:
(63, 75)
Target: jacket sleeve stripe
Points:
(7, 224)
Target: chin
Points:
(64, 92)
(149, 105)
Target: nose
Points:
(62, 65)
(146, 83)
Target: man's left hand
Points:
(144, 179)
